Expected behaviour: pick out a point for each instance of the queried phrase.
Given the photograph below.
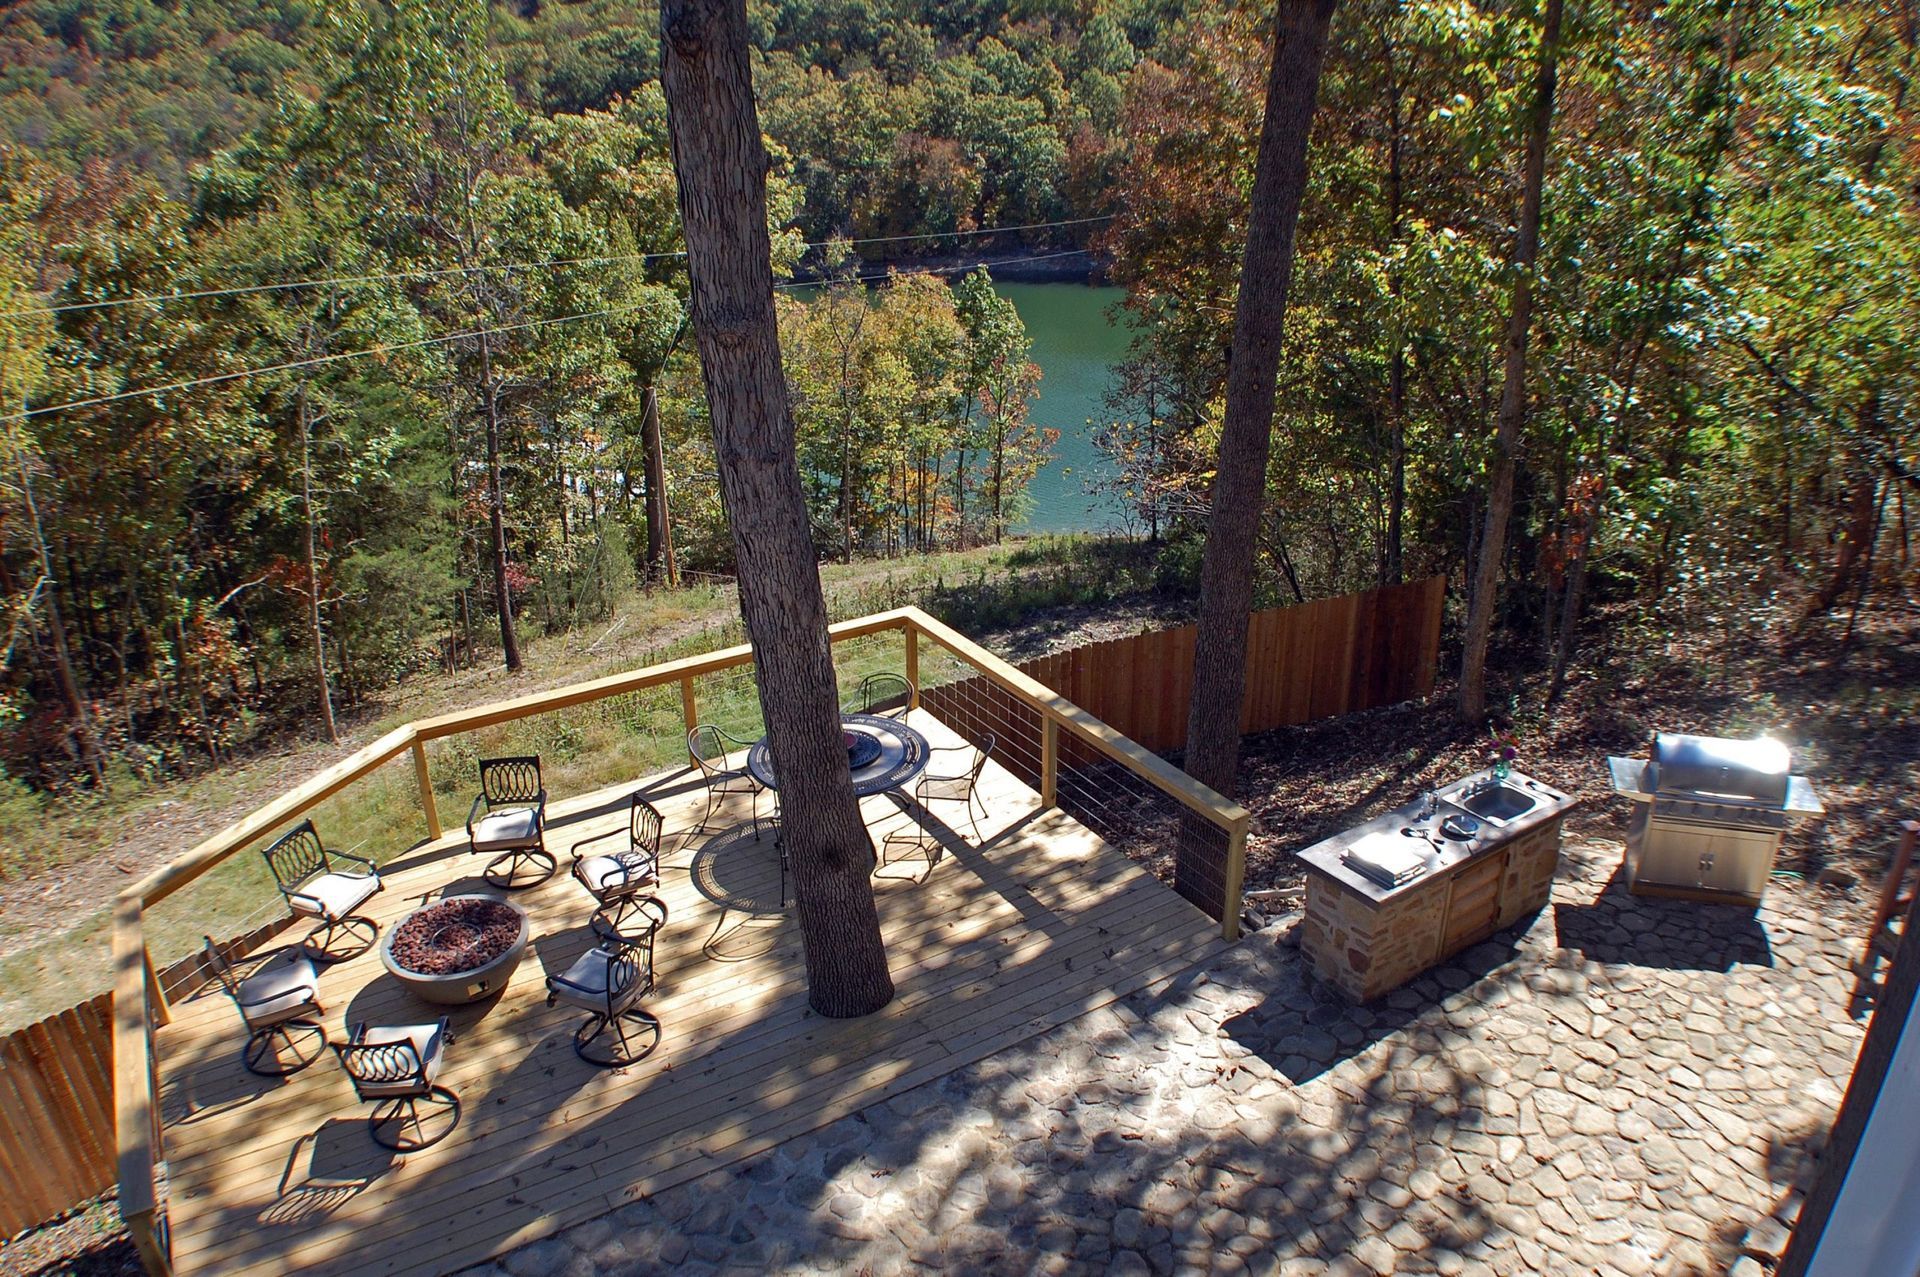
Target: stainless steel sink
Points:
(1499, 803)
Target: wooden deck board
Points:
(989, 945)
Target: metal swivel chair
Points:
(396, 1070)
(709, 748)
(315, 888)
(616, 878)
(891, 695)
(960, 787)
(608, 982)
(279, 999)
(508, 818)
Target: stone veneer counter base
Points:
(1368, 939)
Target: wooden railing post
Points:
(689, 707)
(913, 664)
(157, 1008)
(424, 780)
(1049, 761)
(1236, 877)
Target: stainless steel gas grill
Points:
(1709, 814)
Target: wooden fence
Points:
(1335, 656)
(56, 1100)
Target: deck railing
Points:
(139, 998)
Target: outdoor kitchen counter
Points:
(1368, 938)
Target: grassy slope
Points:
(69, 861)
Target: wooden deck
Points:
(990, 945)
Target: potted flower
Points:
(1504, 749)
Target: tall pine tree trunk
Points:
(722, 168)
(497, 507)
(1239, 485)
(315, 633)
(653, 475)
(1397, 363)
(1513, 390)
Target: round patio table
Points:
(883, 753)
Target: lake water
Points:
(1076, 347)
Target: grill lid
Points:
(1754, 770)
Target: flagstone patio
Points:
(1626, 1088)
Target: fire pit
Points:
(456, 950)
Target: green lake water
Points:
(1076, 346)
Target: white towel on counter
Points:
(1389, 857)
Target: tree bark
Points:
(722, 167)
(315, 633)
(1513, 390)
(57, 632)
(1397, 363)
(497, 507)
(1239, 485)
(653, 475)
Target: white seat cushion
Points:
(332, 895)
(619, 874)
(587, 979)
(428, 1043)
(507, 830)
(283, 989)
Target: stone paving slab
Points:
(1619, 1086)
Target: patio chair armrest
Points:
(294, 893)
(540, 805)
(473, 814)
(611, 833)
(373, 870)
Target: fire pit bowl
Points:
(456, 950)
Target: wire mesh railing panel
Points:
(1179, 846)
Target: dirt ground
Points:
(1847, 711)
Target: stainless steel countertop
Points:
(1449, 856)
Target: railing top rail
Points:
(572, 694)
(176, 874)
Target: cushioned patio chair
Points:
(709, 747)
(397, 1070)
(616, 878)
(279, 1000)
(608, 982)
(316, 888)
(508, 818)
(891, 695)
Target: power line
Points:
(160, 299)
(388, 348)
(314, 362)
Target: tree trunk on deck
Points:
(1513, 390)
(722, 166)
(1240, 479)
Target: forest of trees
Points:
(1719, 391)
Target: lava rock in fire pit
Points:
(456, 950)
(455, 935)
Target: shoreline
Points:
(1075, 266)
